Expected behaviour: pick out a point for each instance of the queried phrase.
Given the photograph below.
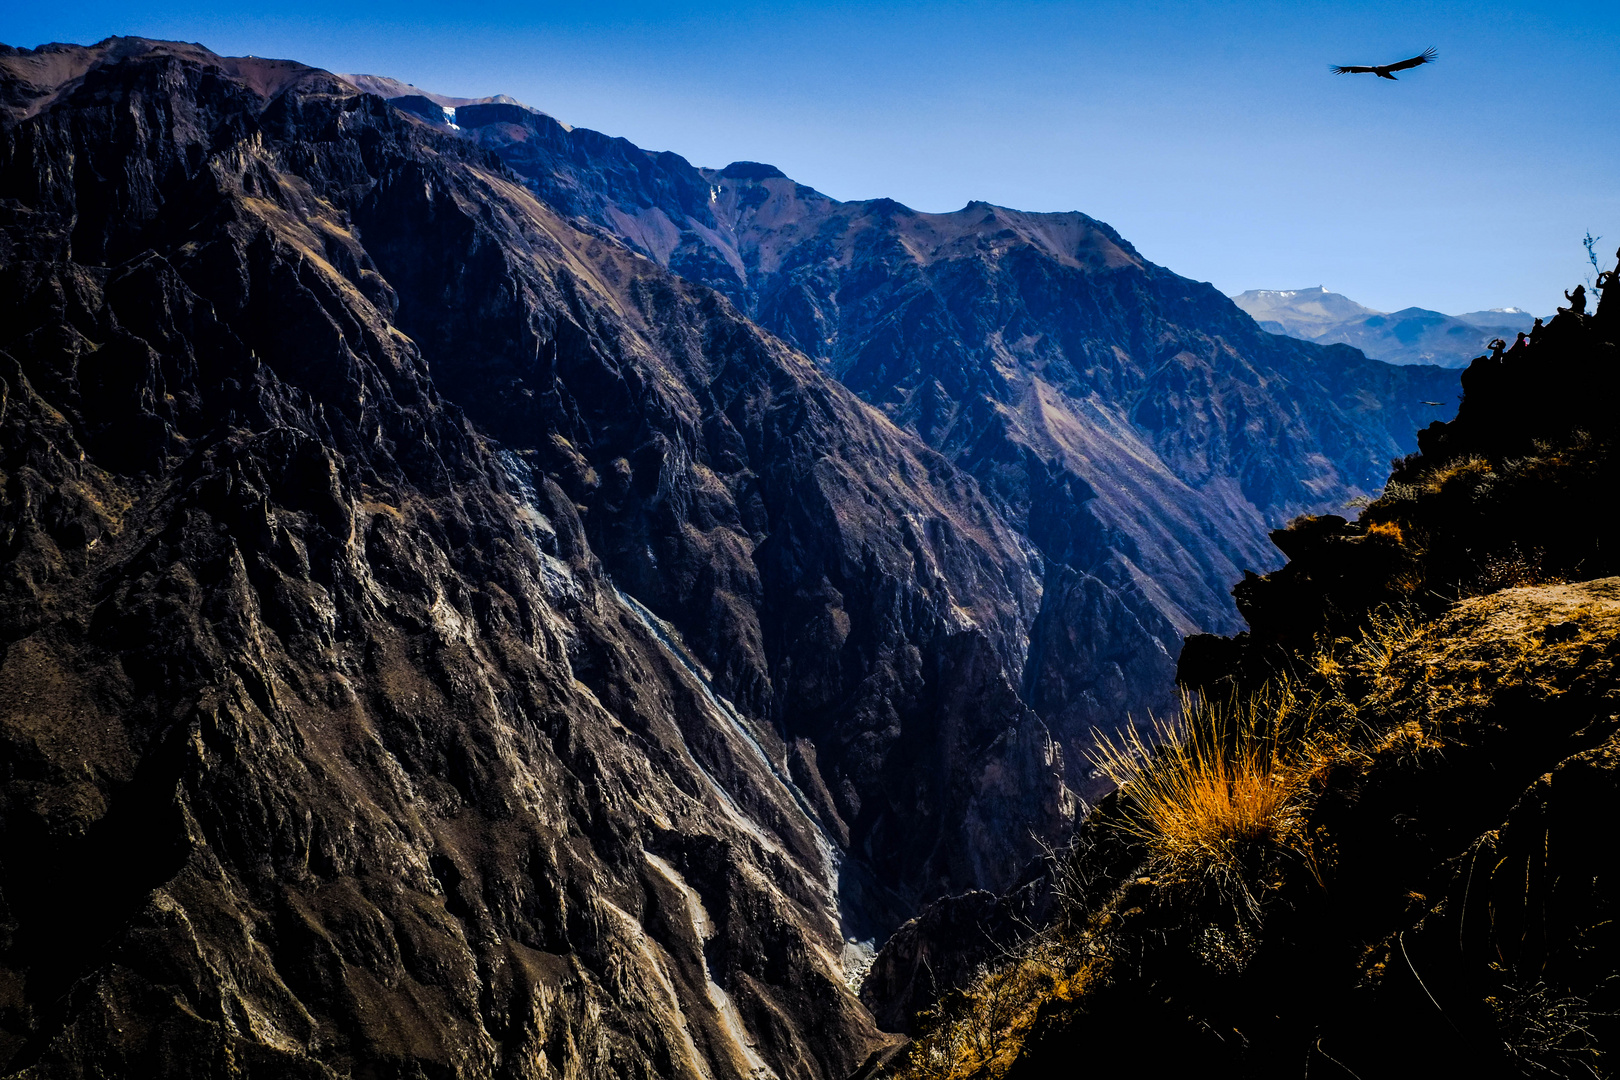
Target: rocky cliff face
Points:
(1455, 913)
(1136, 427)
(437, 639)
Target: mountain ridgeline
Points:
(493, 602)
(1137, 428)
(1410, 336)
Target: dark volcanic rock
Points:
(345, 490)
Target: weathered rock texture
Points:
(1136, 427)
(336, 738)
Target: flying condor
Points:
(1428, 56)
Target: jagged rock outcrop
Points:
(944, 947)
(345, 492)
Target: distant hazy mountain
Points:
(1301, 313)
(1409, 336)
(1511, 317)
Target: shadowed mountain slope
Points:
(1139, 429)
(438, 639)
(951, 322)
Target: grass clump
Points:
(1470, 469)
(1218, 794)
(1547, 1034)
(1386, 632)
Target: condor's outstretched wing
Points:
(1428, 56)
(1353, 69)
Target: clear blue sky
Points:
(1210, 134)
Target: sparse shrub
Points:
(1398, 493)
(1327, 667)
(1512, 569)
(1387, 530)
(1472, 468)
(1546, 1034)
(1387, 631)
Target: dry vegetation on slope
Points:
(1415, 877)
(1378, 843)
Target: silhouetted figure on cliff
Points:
(1577, 301)
(1496, 346)
(1519, 344)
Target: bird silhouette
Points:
(1428, 56)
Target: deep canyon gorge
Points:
(487, 600)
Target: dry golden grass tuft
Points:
(1387, 530)
(1386, 633)
(1512, 569)
(1218, 792)
(1220, 796)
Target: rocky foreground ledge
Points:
(1441, 896)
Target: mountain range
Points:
(1409, 336)
(483, 599)
(1131, 423)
